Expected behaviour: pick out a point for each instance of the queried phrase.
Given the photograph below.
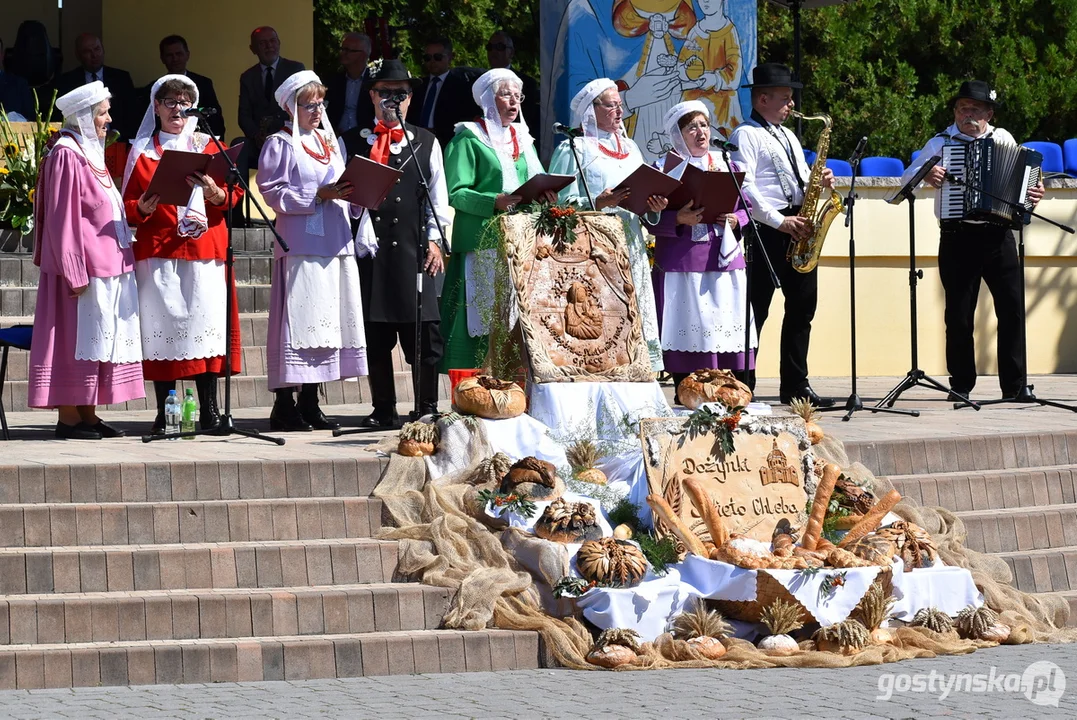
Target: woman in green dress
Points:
(485, 163)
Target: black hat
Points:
(977, 90)
(773, 75)
(387, 70)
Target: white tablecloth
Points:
(595, 409)
(646, 608)
(941, 586)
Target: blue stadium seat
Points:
(881, 167)
(16, 336)
(1069, 156)
(809, 157)
(915, 154)
(840, 167)
(1052, 155)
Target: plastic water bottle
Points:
(172, 414)
(190, 410)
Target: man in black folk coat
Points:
(390, 241)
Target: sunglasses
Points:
(386, 93)
(436, 56)
(497, 47)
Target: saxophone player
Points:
(775, 179)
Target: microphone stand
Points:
(227, 425)
(1025, 216)
(748, 238)
(420, 273)
(854, 403)
(579, 168)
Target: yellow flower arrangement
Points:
(22, 157)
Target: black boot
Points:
(209, 417)
(160, 390)
(285, 415)
(311, 412)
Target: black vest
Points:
(388, 279)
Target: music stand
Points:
(227, 425)
(1024, 217)
(915, 377)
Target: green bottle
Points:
(190, 410)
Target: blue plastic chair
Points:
(1069, 156)
(915, 154)
(809, 157)
(881, 167)
(1052, 155)
(17, 336)
(840, 167)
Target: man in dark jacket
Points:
(175, 55)
(259, 114)
(444, 98)
(347, 100)
(91, 55)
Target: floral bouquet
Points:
(22, 157)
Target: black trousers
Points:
(801, 291)
(381, 338)
(969, 253)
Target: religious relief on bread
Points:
(576, 301)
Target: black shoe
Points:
(285, 416)
(317, 419)
(381, 421)
(806, 393)
(424, 411)
(107, 431)
(158, 425)
(209, 417)
(1024, 395)
(82, 431)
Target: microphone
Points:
(724, 145)
(858, 154)
(202, 112)
(570, 132)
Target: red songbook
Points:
(644, 182)
(713, 190)
(537, 185)
(170, 178)
(371, 181)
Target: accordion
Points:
(994, 171)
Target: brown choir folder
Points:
(170, 178)
(644, 182)
(371, 181)
(538, 184)
(713, 190)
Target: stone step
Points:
(220, 613)
(146, 523)
(22, 300)
(1047, 570)
(269, 564)
(157, 480)
(917, 456)
(991, 489)
(1020, 529)
(260, 659)
(257, 240)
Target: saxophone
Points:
(804, 254)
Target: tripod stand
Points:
(227, 425)
(392, 113)
(1024, 216)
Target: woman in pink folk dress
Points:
(87, 348)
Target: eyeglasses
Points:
(610, 107)
(436, 56)
(385, 93)
(518, 97)
(315, 106)
(498, 47)
(352, 50)
(173, 103)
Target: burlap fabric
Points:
(490, 569)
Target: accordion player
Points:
(994, 179)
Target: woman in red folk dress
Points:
(180, 255)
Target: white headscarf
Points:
(286, 96)
(191, 218)
(583, 107)
(495, 135)
(669, 122)
(79, 104)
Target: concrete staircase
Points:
(254, 261)
(1015, 493)
(185, 572)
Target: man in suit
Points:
(175, 55)
(15, 94)
(259, 114)
(91, 55)
(444, 98)
(391, 239)
(347, 102)
(500, 52)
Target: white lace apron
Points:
(323, 303)
(183, 304)
(108, 327)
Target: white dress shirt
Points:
(757, 151)
(366, 241)
(934, 146)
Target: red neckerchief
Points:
(379, 152)
(512, 130)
